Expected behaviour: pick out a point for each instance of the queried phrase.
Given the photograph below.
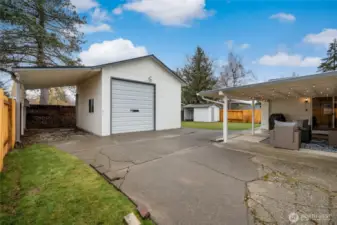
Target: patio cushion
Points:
(286, 124)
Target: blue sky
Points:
(274, 38)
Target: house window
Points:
(91, 105)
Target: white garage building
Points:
(201, 113)
(139, 94)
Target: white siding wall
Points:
(202, 115)
(265, 115)
(216, 114)
(90, 89)
(168, 91)
(293, 109)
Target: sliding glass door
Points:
(324, 112)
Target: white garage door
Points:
(132, 106)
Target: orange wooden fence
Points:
(7, 125)
(242, 116)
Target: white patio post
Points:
(333, 112)
(18, 112)
(253, 117)
(225, 119)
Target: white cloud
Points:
(83, 5)
(283, 17)
(170, 12)
(111, 51)
(245, 46)
(284, 59)
(323, 38)
(89, 28)
(100, 15)
(118, 10)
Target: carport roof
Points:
(57, 76)
(316, 85)
(34, 78)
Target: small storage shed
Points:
(201, 113)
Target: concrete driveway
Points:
(178, 175)
(182, 177)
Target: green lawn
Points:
(217, 125)
(42, 185)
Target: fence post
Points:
(13, 126)
(2, 152)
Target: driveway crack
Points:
(126, 161)
(217, 171)
(124, 178)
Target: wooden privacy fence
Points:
(242, 116)
(7, 125)
(50, 116)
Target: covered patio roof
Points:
(316, 85)
(35, 77)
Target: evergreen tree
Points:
(330, 62)
(198, 74)
(39, 33)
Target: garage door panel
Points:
(119, 98)
(139, 123)
(131, 129)
(123, 85)
(128, 96)
(131, 89)
(120, 115)
(132, 103)
(128, 109)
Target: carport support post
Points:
(253, 117)
(225, 119)
(18, 112)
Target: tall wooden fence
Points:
(50, 116)
(7, 125)
(242, 116)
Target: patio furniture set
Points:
(292, 135)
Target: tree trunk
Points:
(44, 96)
(44, 92)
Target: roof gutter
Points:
(18, 69)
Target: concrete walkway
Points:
(184, 178)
